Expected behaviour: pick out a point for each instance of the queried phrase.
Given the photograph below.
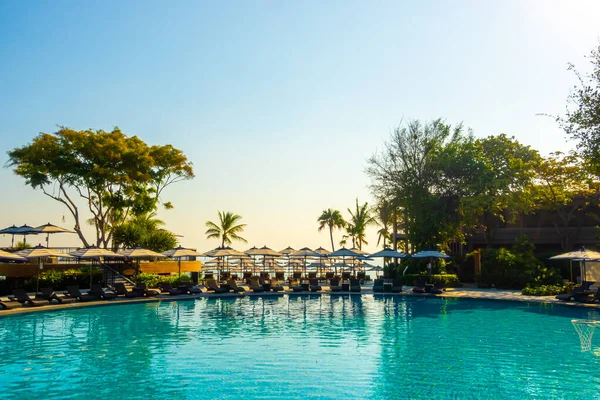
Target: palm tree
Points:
(332, 219)
(227, 230)
(384, 214)
(360, 219)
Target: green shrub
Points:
(152, 280)
(544, 290)
(451, 280)
(60, 279)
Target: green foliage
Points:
(451, 280)
(582, 120)
(445, 182)
(512, 268)
(143, 231)
(60, 279)
(115, 175)
(152, 280)
(22, 246)
(545, 290)
(227, 229)
(333, 220)
(360, 219)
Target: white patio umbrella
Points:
(582, 255)
(305, 252)
(93, 253)
(180, 252)
(40, 252)
(138, 254)
(343, 252)
(49, 228)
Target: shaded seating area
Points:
(121, 290)
(234, 286)
(22, 297)
(420, 286)
(97, 291)
(334, 285)
(314, 285)
(581, 293)
(50, 295)
(255, 286)
(378, 286)
(354, 285)
(189, 288)
(213, 287)
(75, 293)
(276, 285)
(140, 287)
(166, 287)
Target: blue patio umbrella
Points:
(431, 254)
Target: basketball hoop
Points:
(585, 328)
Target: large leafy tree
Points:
(227, 229)
(582, 118)
(447, 183)
(331, 219)
(111, 174)
(564, 186)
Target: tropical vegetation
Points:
(332, 219)
(227, 229)
(117, 176)
(143, 231)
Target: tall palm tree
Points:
(332, 219)
(359, 220)
(384, 213)
(227, 230)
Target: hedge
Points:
(60, 279)
(545, 290)
(451, 280)
(152, 280)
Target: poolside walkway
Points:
(486, 294)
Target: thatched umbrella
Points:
(179, 253)
(49, 228)
(39, 252)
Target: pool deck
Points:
(467, 293)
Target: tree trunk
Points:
(331, 237)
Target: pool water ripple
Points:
(308, 346)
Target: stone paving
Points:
(490, 294)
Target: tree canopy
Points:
(115, 175)
(227, 229)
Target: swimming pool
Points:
(306, 346)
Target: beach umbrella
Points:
(358, 251)
(388, 253)
(287, 251)
(93, 253)
(180, 252)
(343, 252)
(225, 252)
(11, 230)
(40, 252)
(267, 252)
(49, 228)
(305, 252)
(20, 230)
(5, 255)
(138, 254)
(582, 255)
(431, 254)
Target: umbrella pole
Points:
(179, 266)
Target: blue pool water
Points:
(306, 347)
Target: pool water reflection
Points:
(306, 346)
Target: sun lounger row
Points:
(582, 294)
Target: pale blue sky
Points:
(278, 104)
